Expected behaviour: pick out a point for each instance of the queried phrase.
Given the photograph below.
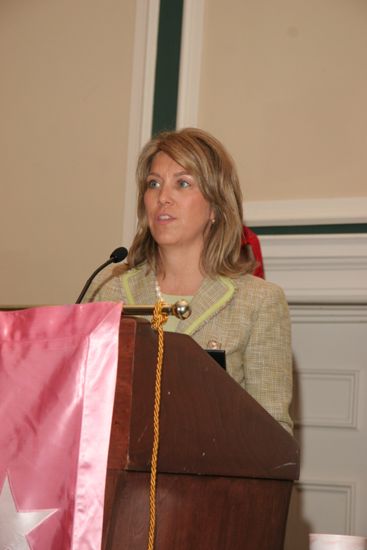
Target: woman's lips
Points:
(163, 218)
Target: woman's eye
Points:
(152, 184)
(183, 184)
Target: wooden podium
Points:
(225, 466)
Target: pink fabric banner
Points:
(57, 381)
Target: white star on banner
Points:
(14, 525)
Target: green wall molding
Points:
(167, 65)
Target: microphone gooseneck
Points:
(117, 256)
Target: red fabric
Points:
(250, 238)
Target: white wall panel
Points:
(325, 280)
(339, 410)
(324, 507)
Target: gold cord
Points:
(159, 318)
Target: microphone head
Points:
(118, 255)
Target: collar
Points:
(212, 296)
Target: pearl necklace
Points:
(158, 291)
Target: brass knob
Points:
(181, 309)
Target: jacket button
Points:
(213, 344)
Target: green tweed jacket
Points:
(246, 316)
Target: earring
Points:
(213, 220)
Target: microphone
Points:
(117, 256)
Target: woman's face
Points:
(176, 210)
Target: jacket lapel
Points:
(212, 297)
(139, 286)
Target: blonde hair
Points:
(205, 158)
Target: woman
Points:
(188, 245)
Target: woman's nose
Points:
(164, 196)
